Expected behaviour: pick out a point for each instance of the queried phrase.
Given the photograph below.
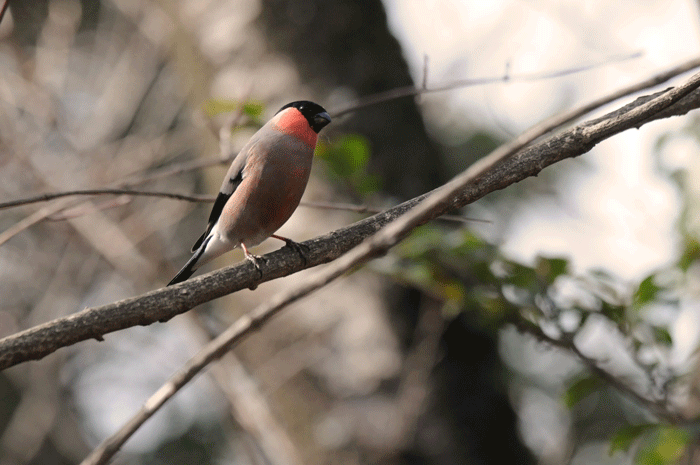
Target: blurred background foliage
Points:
(447, 350)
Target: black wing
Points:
(227, 190)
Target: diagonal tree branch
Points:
(492, 174)
(432, 205)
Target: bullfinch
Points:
(263, 186)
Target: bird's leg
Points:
(254, 259)
(299, 248)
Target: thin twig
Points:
(172, 170)
(178, 168)
(249, 406)
(199, 199)
(366, 209)
(436, 203)
(33, 219)
(658, 407)
(87, 208)
(411, 91)
(104, 191)
(225, 133)
(131, 181)
(4, 9)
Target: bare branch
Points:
(487, 175)
(420, 361)
(412, 91)
(179, 168)
(104, 191)
(191, 198)
(457, 192)
(249, 406)
(46, 212)
(33, 219)
(366, 209)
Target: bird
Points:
(262, 188)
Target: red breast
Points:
(292, 122)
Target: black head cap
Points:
(314, 113)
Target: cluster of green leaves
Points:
(658, 444)
(347, 160)
(655, 443)
(470, 275)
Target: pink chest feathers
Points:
(292, 122)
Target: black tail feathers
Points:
(189, 268)
(184, 273)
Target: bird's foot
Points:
(300, 248)
(256, 260)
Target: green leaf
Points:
(348, 155)
(469, 243)
(418, 274)
(615, 313)
(213, 107)
(422, 239)
(646, 292)
(664, 447)
(627, 435)
(252, 108)
(492, 306)
(690, 255)
(521, 276)
(550, 269)
(662, 335)
(482, 271)
(357, 148)
(557, 267)
(581, 389)
(368, 184)
(347, 160)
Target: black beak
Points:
(321, 120)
